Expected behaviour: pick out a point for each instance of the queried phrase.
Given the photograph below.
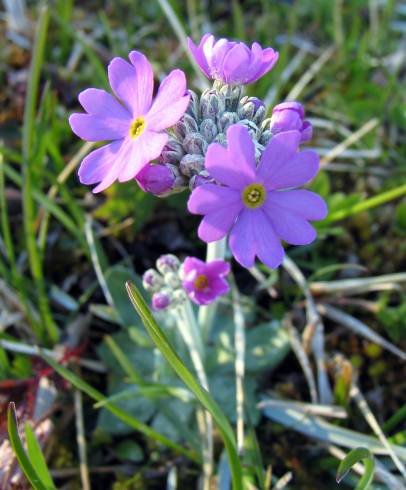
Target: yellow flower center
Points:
(137, 127)
(201, 282)
(253, 195)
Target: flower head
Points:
(204, 282)
(256, 204)
(289, 116)
(231, 62)
(133, 122)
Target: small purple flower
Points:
(289, 116)
(158, 179)
(160, 301)
(204, 282)
(255, 203)
(232, 62)
(135, 124)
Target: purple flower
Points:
(232, 62)
(290, 116)
(160, 301)
(255, 203)
(158, 179)
(135, 124)
(204, 282)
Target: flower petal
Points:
(91, 127)
(281, 148)
(216, 224)
(305, 203)
(235, 166)
(170, 102)
(218, 268)
(289, 226)
(131, 85)
(197, 52)
(99, 102)
(241, 241)
(145, 82)
(268, 246)
(211, 197)
(145, 148)
(236, 63)
(96, 165)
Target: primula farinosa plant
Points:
(242, 170)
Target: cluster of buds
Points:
(164, 283)
(207, 118)
(171, 282)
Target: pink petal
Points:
(235, 166)
(281, 148)
(218, 268)
(241, 242)
(268, 246)
(191, 264)
(198, 55)
(236, 63)
(145, 81)
(145, 148)
(99, 128)
(296, 172)
(216, 224)
(211, 197)
(96, 165)
(305, 203)
(289, 226)
(99, 102)
(170, 102)
(132, 85)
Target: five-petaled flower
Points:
(204, 282)
(256, 204)
(134, 123)
(232, 62)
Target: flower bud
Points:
(208, 129)
(151, 280)
(226, 120)
(211, 105)
(191, 164)
(290, 116)
(172, 280)
(161, 301)
(157, 178)
(194, 143)
(265, 137)
(167, 263)
(193, 107)
(252, 108)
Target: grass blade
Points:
(50, 328)
(37, 458)
(353, 457)
(19, 451)
(161, 341)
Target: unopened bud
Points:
(161, 301)
(151, 280)
(157, 178)
(226, 120)
(208, 129)
(167, 263)
(195, 143)
(191, 164)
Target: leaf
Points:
(80, 384)
(37, 458)
(129, 450)
(161, 341)
(353, 457)
(19, 451)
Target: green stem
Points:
(28, 203)
(370, 203)
(215, 251)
